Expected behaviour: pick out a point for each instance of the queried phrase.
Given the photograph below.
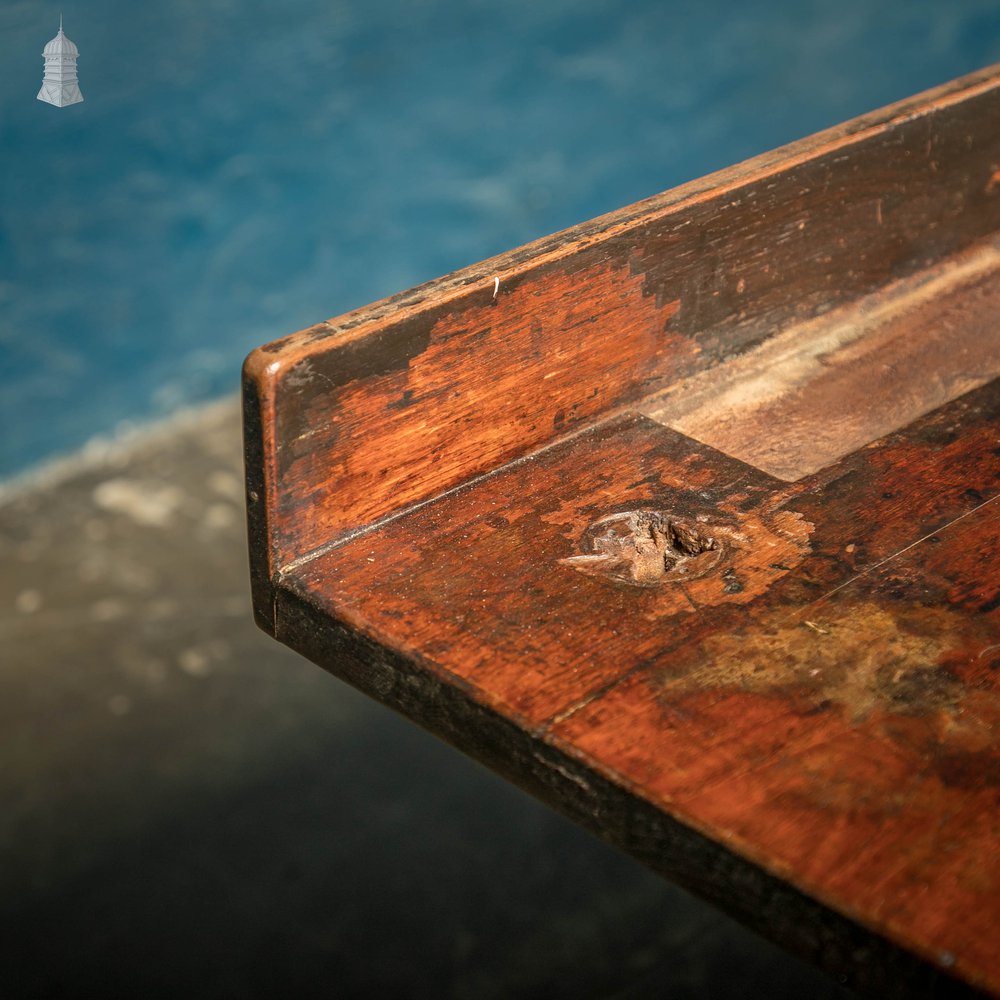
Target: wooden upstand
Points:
(685, 520)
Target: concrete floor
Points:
(188, 809)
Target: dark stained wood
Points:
(692, 530)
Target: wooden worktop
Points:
(686, 521)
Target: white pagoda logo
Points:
(59, 86)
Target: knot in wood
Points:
(648, 547)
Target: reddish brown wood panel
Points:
(778, 688)
(361, 416)
(798, 703)
(849, 747)
(454, 575)
(473, 580)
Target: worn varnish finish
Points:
(691, 530)
(897, 353)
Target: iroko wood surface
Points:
(580, 529)
(354, 418)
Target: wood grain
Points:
(845, 379)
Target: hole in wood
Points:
(648, 547)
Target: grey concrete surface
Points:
(188, 809)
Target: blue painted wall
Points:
(242, 169)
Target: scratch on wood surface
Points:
(888, 559)
(551, 765)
